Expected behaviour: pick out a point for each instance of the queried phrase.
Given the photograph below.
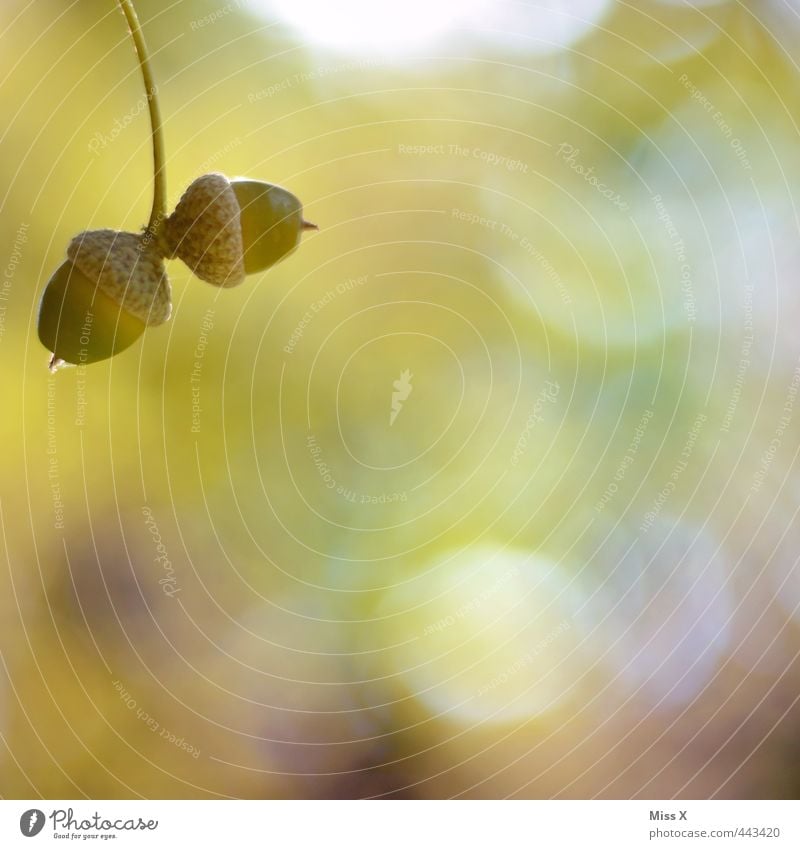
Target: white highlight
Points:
(378, 25)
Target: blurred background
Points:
(491, 489)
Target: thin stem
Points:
(159, 210)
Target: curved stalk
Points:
(159, 210)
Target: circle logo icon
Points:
(31, 822)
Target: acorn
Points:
(226, 229)
(98, 303)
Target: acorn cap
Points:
(205, 231)
(130, 273)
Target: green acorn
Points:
(224, 230)
(113, 284)
(98, 302)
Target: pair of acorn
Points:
(114, 284)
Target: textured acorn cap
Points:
(205, 231)
(126, 270)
